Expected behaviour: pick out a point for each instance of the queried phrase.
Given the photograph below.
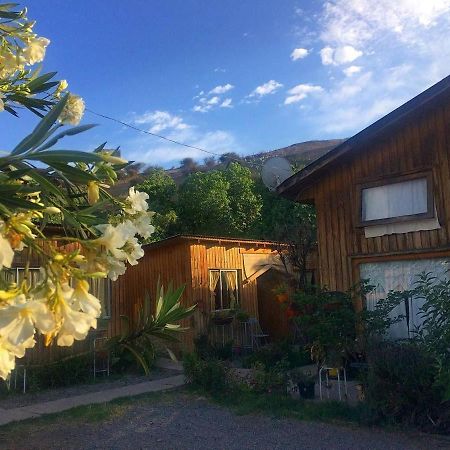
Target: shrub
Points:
(401, 386)
(207, 350)
(207, 374)
(67, 372)
(269, 355)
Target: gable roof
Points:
(303, 179)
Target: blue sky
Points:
(237, 75)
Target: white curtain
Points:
(393, 200)
(400, 276)
(214, 276)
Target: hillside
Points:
(299, 154)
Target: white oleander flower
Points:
(85, 301)
(73, 110)
(6, 253)
(34, 52)
(143, 225)
(7, 359)
(133, 250)
(136, 202)
(20, 318)
(74, 325)
(115, 268)
(114, 237)
(9, 353)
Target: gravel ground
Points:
(15, 399)
(182, 421)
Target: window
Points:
(400, 276)
(100, 288)
(224, 288)
(403, 198)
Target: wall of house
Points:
(165, 264)
(212, 255)
(421, 144)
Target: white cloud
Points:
(146, 150)
(299, 53)
(376, 56)
(267, 88)
(221, 89)
(340, 55)
(226, 103)
(300, 92)
(352, 70)
(161, 121)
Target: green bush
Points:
(207, 374)
(68, 372)
(269, 355)
(207, 350)
(401, 387)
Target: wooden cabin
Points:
(218, 273)
(382, 199)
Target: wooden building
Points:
(218, 273)
(382, 199)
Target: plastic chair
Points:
(338, 369)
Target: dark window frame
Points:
(429, 214)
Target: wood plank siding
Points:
(420, 144)
(185, 261)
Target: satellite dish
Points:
(275, 171)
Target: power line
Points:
(173, 141)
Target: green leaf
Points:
(73, 174)
(61, 156)
(41, 129)
(41, 80)
(45, 184)
(70, 132)
(19, 203)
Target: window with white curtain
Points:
(224, 289)
(400, 276)
(398, 200)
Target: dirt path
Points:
(183, 421)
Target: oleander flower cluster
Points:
(99, 235)
(21, 48)
(61, 307)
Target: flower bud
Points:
(93, 192)
(52, 210)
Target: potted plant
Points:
(281, 293)
(223, 316)
(241, 316)
(305, 380)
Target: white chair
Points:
(339, 370)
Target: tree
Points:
(288, 222)
(162, 197)
(204, 205)
(210, 162)
(188, 165)
(229, 157)
(219, 202)
(245, 203)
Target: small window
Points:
(224, 289)
(399, 200)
